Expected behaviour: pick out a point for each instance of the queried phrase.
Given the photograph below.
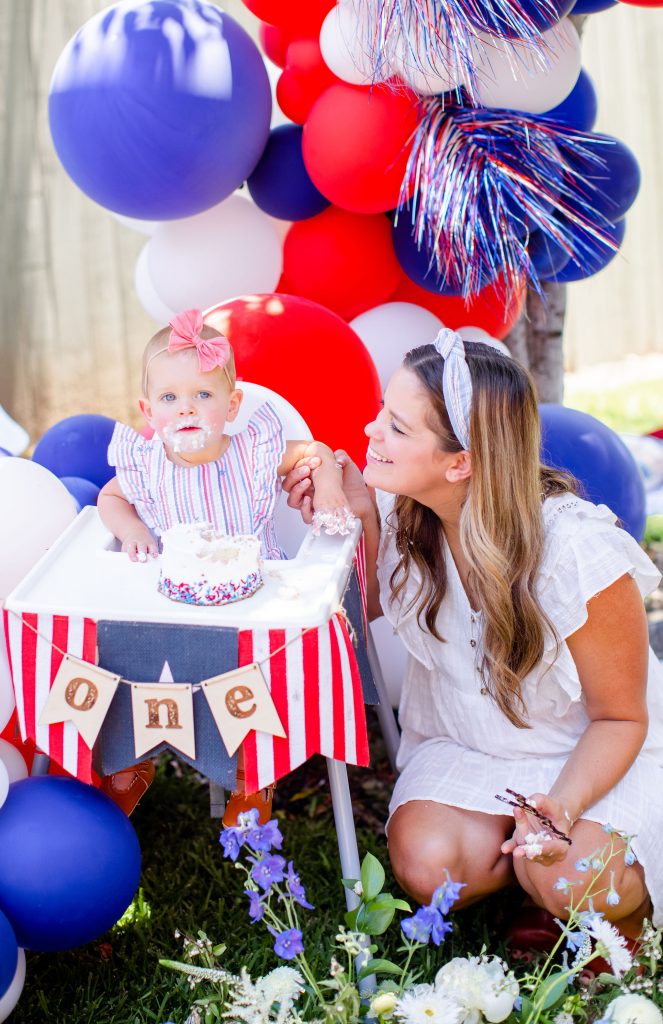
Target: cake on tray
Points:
(200, 565)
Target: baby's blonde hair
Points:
(158, 343)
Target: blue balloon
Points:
(592, 6)
(78, 446)
(579, 108)
(280, 184)
(597, 456)
(160, 109)
(84, 492)
(547, 256)
(616, 180)
(588, 263)
(69, 862)
(4, 453)
(542, 15)
(416, 263)
(8, 954)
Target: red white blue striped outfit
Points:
(237, 493)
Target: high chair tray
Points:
(84, 574)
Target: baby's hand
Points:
(139, 544)
(329, 497)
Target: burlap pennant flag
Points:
(82, 693)
(163, 714)
(240, 701)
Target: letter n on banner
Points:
(163, 714)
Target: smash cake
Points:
(200, 565)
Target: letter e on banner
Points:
(240, 701)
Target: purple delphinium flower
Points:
(231, 841)
(425, 925)
(295, 887)
(268, 870)
(288, 943)
(256, 905)
(446, 895)
(265, 837)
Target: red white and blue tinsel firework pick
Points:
(479, 181)
(439, 37)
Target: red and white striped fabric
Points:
(34, 662)
(314, 682)
(359, 562)
(316, 689)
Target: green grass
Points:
(635, 408)
(186, 884)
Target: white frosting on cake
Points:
(200, 565)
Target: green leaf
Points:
(373, 921)
(351, 919)
(379, 966)
(552, 989)
(372, 876)
(349, 883)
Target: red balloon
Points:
(356, 145)
(342, 260)
(305, 77)
(643, 3)
(487, 310)
(275, 43)
(308, 355)
(297, 17)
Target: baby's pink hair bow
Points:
(186, 330)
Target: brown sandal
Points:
(129, 785)
(239, 802)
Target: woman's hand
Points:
(552, 850)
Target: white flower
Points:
(563, 1018)
(283, 985)
(633, 1009)
(610, 944)
(383, 1004)
(480, 985)
(424, 1004)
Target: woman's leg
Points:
(427, 839)
(589, 839)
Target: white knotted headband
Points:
(456, 383)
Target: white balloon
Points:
(35, 508)
(147, 293)
(4, 783)
(392, 329)
(13, 438)
(393, 657)
(7, 703)
(13, 762)
(341, 45)
(9, 1000)
(515, 76)
(478, 334)
(428, 73)
(231, 249)
(290, 529)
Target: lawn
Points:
(187, 885)
(632, 408)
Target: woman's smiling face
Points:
(404, 454)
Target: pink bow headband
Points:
(186, 333)
(212, 352)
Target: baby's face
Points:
(187, 408)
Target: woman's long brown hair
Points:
(501, 524)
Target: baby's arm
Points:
(326, 476)
(121, 518)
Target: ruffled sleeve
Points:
(129, 453)
(585, 553)
(268, 446)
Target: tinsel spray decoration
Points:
(479, 181)
(437, 39)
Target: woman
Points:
(521, 608)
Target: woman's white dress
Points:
(458, 748)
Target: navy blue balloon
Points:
(84, 492)
(595, 454)
(78, 446)
(4, 453)
(280, 184)
(547, 256)
(160, 109)
(8, 954)
(579, 108)
(69, 862)
(588, 263)
(592, 6)
(416, 262)
(615, 181)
